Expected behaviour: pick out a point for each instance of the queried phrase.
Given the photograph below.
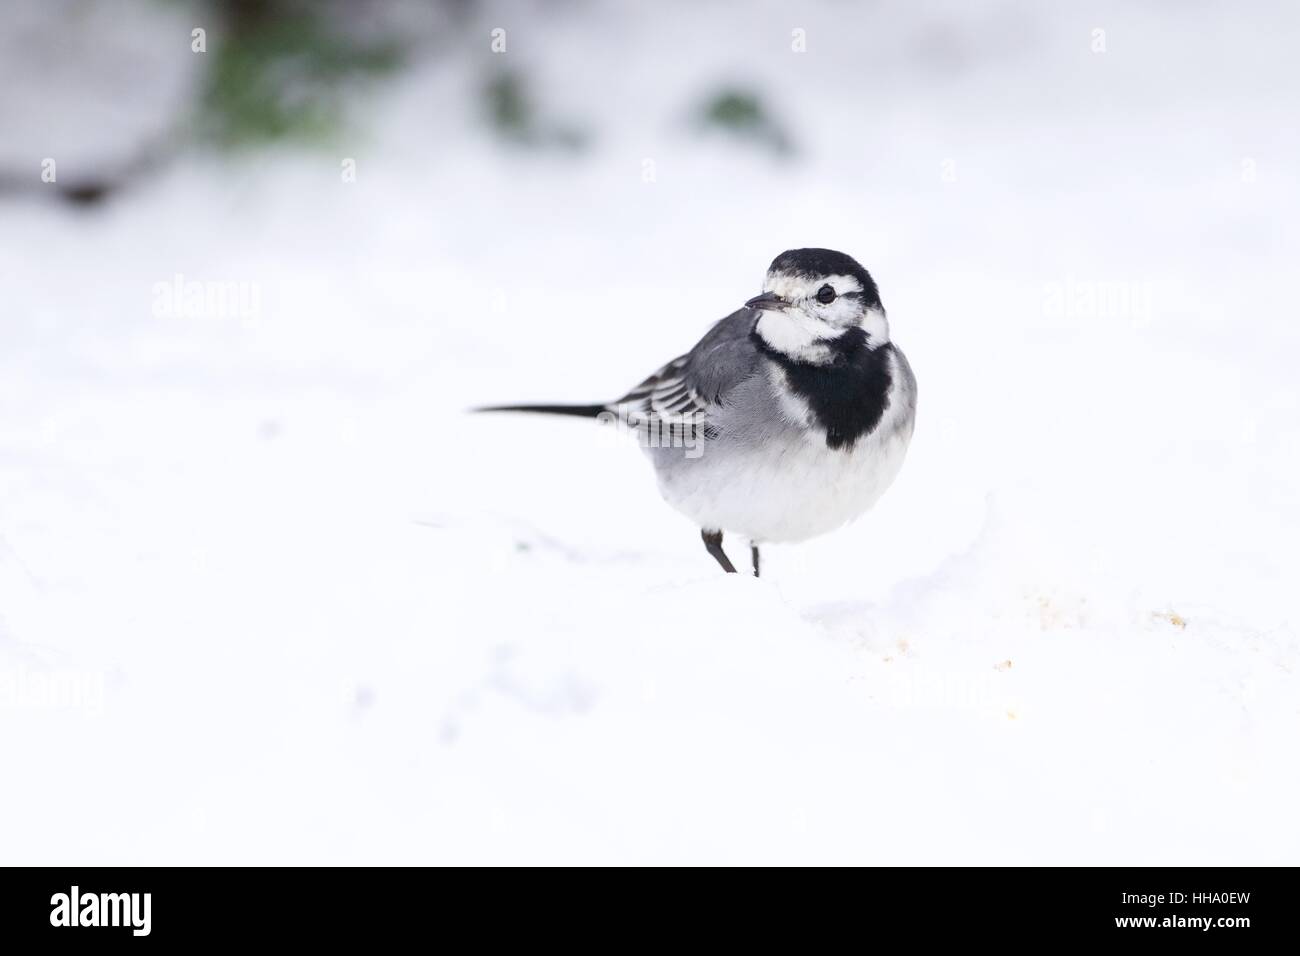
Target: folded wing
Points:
(688, 391)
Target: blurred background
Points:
(267, 593)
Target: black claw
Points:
(713, 544)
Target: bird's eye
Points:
(826, 295)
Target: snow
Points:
(269, 595)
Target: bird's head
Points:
(811, 298)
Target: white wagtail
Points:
(802, 408)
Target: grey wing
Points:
(689, 389)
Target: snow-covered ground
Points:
(267, 593)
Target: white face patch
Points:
(802, 329)
(876, 325)
(795, 334)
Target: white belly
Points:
(787, 492)
(776, 479)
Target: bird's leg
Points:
(713, 544)
(753, 556)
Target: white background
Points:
(311, 611)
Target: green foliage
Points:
(514, 116)
(510, 110)
(283, 76)
(741, 114)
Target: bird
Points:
(787, 420)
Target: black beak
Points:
(769, 301)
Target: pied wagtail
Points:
(799, 406)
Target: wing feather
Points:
(688, 391)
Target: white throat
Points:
(804, 338)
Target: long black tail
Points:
(578, 411)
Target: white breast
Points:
(791, 486)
